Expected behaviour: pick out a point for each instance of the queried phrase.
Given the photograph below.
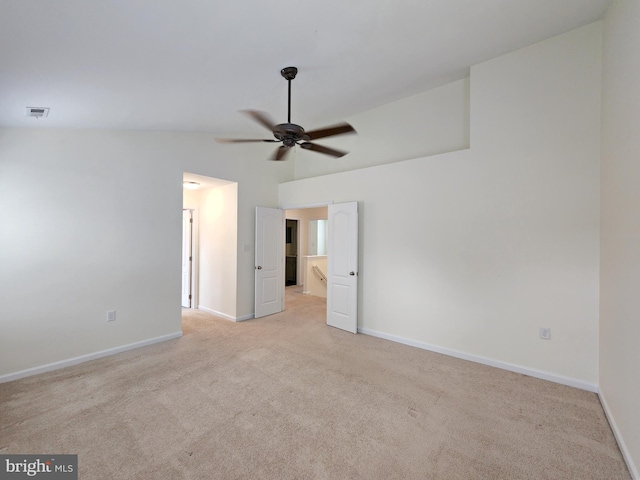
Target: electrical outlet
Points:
(545, 333)
(111, 315)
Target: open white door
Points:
(342, 283)
(269, 267)
(187, 258)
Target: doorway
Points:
(342, 263)
(291, 253)
(213, 205)
(310, 258)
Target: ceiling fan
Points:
(291, 134)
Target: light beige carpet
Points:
(287, 397)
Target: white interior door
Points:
(342, 260)
(269, 266)
(187, 257)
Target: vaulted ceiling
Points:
(191, 65)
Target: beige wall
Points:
(304, 215)
(190, 198)
(620, 232)
(216, 212)
(471, 252)
(313, 283)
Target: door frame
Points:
(195, 261)
(187, 257)
(326, 204)
(296, 207)
(298, 248)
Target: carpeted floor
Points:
(286, 397)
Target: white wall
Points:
(535, 131)
(620, 228)
(474, 251)
(92, 222)
(429, 123)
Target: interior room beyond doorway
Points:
(214, 204)
(305, 250)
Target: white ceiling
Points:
(191, 65)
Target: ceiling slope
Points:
(192, 65)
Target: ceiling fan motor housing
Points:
(290, 134)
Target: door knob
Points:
(259, 267)
(352, 273)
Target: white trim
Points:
(217, 313)
(195, 257)
(532, 372)
(86, 358)
(192, 262)
(626, 454)
(305, 205)
(224, 315)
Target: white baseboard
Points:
(532, 372)
(85, 358)
(616, 433)
(224, 315)
(216, 313)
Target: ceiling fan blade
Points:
(321, 149)
(262, 118)
(338, 129)
(242, 140)
(280, 153)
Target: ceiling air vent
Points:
(37, 112)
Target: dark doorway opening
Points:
(291, 265)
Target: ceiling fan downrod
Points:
(289, 73)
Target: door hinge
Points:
(189, 297)
(190, 259)
(191, 220)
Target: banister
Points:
(316, 269)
